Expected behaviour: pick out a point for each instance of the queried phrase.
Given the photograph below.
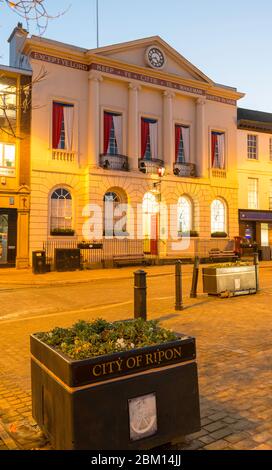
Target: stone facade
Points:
(119, 79)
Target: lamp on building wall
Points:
(161, 171)
(157, 185)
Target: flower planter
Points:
(136, 399)
(235, 280)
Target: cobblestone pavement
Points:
(234, 346)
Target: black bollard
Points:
(179, 304)
(256, 263)
(140, 294)
(193, 294)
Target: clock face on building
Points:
(155, 57)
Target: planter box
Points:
(137, 399)
(236, 280)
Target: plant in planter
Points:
(191, 234)
(219, 235)
(121, 385)
(64, 232)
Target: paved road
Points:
(234, 338)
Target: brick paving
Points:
(234, 346)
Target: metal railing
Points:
(150, 166)
(113, 162)
(96, 251)
(106, 249)
(184, 169)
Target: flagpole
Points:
(97, 24)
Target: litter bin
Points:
(38, 262)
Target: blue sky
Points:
(229, 41)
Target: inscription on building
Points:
(130, 76)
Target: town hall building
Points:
(132, 123)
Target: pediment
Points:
(134, 53)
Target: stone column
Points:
(133, 125)
(94, 119)
(168, 131)
(201, 139)
(22, 257)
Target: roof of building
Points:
(250, 119)
(7, 68)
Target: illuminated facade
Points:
(14, 166)
(108, 122)
(254, 165)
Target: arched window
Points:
(185, 219)
(150, 204)
(218, 216)
(61, 210)
(111, 202)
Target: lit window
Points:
(111, 203)
(252, 193)
(7, 157)
(252, 147)
(61, 210)
(8, 98)
(218, 216)
(184, 215)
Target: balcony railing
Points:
(114, 162)
(63, 155)
(150, 166)
(187, 170)
(218, 173)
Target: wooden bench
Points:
(216, 254)
(127, 260)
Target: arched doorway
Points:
(150, 223)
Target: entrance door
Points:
(3, 238)
(150, 223)
(8, 237)
(154, 234)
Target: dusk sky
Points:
(229, 41)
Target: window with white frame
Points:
(63, 126)
(61, 210)
(112, 133)
(218, 150)
(7, 97)
(218, 216)
(149, 139)
(252, 193)
(7, 159)
(252, 147)
(112, 201)
(184, 215)
(182, 143)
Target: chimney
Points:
(16, 43)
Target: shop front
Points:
(255, 228)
